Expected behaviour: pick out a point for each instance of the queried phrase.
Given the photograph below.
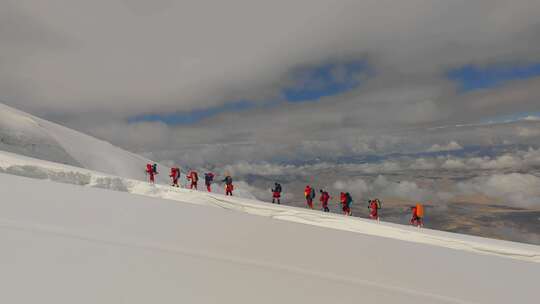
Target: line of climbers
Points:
(345, 199)
(193, 178)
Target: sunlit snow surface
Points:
(66, 238)
(63, 243)
(24, 166)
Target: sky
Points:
(203, 82)
(472, 78)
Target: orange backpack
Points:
(419, 210)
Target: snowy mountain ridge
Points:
(31, 136)
(64, 243)
(28, 167)
(59, 154)
(67, 238)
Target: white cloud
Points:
(262, 169)
(513, 188)
(527, 132)
(404, 189)
(382, 187)
(501, 162)
(357, 186)
(517, 160)
(195, 54)
(531, 118)
(451, 146)
(453, 164)
(522, 190)
(531, 158)
(423, 164)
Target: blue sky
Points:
(186, 118)
(313, 83)
(309, 84)
(325, 80)
(472, 77)
(512, 117)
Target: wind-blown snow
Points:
(70, 244)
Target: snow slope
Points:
(64, 238)
(28, 135)
(244, 203)
(63, 243)
(36, 168)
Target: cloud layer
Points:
(521, 190)
(167, 56)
